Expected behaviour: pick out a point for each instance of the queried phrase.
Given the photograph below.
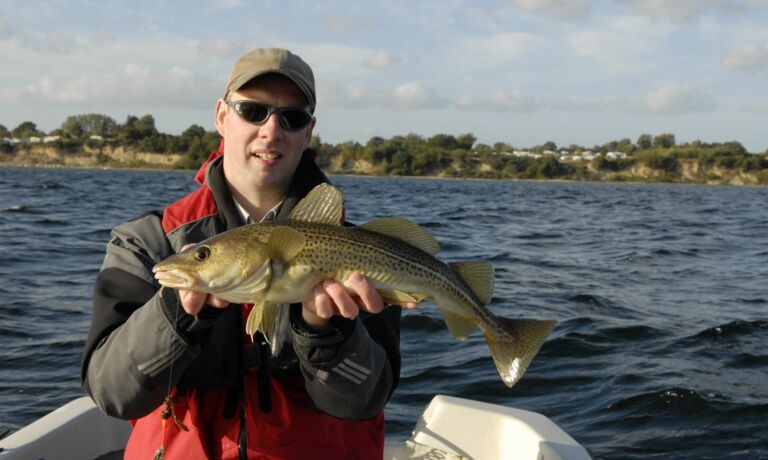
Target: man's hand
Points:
(331, 298)
(192, 301)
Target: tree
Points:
(146, 126)
(26, 129)
(645, 141)
(483, 149)
(375, 141)
(466, 141)
(443, 141)
(92, 124)
(625, 145)
(502, 147)
(664, 141)
(4, 131)
(401, 163)
(549, 145)
(136, 128)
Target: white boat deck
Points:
(450, 428)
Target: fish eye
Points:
(202, 253)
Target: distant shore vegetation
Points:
(98, 140)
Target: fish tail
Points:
(514, 343)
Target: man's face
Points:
(262, 157)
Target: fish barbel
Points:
(268, 264)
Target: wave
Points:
(731, 330)
(14, 208)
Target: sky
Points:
(522, 72)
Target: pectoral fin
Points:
(285, 243)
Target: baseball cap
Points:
(272, 60)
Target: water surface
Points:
(661, 350)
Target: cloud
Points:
(750, 56)
(619, 39)
(228, 4)
(685, 10)
(667, 100)
(380, 60)
(756, 108)
(6, 31)
(133, 86)
(499, 101)
(55, 42)
(343, 24)
(408, 96)
(413, 95)
(493, 50)
(349, 96)
(219, 47)
(554, 8)
(678, 100)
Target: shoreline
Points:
(4, 165)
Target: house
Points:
(615, 155)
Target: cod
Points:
(271, 264)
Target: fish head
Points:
(224, 265)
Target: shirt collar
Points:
(270, 216)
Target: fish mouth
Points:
(174, 278)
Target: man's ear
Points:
(310, 129)
(221, 116)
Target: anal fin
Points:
(400, 296)
(460, 326)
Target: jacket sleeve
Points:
(137, 330)
(351, 370)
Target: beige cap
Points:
(272, 60)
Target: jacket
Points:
(305, 392)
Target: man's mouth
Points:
(266, 155)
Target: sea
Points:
(660, 292)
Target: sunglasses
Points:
(291, 118)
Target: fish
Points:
(272, 264)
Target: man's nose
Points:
(271, 127)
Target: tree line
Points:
(414, 155)
(195, 144)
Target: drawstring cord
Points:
(170, 410)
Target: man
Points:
(319, 389)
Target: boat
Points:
(449, 428)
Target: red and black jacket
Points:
(317, 395)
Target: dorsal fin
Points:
(404, 230)
(322, 205)
(479, 277)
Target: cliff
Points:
(85, 157)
